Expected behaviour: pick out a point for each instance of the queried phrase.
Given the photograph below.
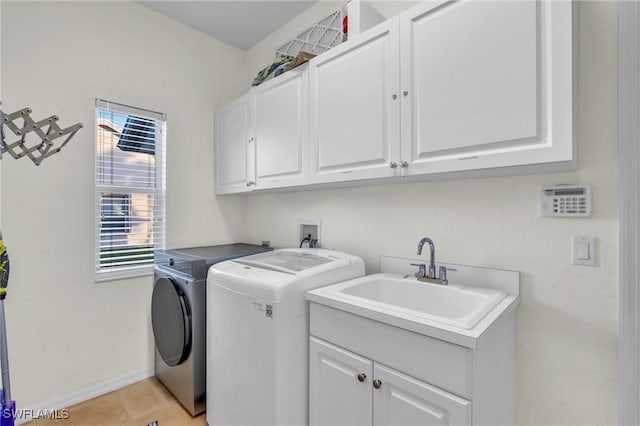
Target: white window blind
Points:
(130, 189)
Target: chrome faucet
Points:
(430, 276)
(432, 257)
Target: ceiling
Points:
(240, 23)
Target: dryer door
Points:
(171, 321)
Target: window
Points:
(130, 189)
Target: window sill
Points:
(123, 273)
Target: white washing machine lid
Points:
(293, 261)
(285, 273)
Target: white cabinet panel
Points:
(403, 400)
(473, 67)
(479, 77)
(380, 396)
(354, 108)
(336, 394)
(233, 150)
(261, 138)
(400, 391)
(280, 111)
(418, 355)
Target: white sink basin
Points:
(408, 298)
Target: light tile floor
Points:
(136, 405)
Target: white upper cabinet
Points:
(233, 149)
(486, 84)
(261, 138)
(482, 85)
(280, 116)
(447, 86)
(354, 108)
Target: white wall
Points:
(567, 322)
(67, 333)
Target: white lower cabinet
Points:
(367, 372)
(347, 389)
(340, 386)
(403, 400)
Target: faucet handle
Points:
(422, 269)
(442, 275)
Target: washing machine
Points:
(257, 333)
(178, 318)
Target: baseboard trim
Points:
(89, 392)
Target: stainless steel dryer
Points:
(178, 317)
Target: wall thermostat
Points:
(565, 201)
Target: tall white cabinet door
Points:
(354, 108)
(280, 108)
(486, 84)
(233, 148)
(339, 386)
(403, 400)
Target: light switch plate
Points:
(584, 250)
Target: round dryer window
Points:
(171, 321)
